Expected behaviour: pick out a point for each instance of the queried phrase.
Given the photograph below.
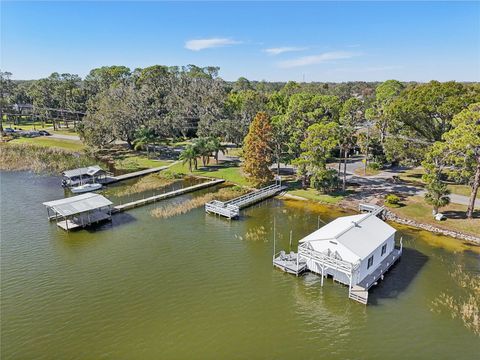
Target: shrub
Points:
(324, 180)
(392, 199)
(374, 166)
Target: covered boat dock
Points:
(79, 211)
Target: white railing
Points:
(358, 298)
(330, 261)
(231, 208)
(217, 207)
(254, 196)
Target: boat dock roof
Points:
(78, 204)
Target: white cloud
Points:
(200, 44)
(317, 59)
(281, 50)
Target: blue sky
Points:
(277, 41)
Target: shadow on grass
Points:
(225, 164)
(455, 214)
(399, 277)
(297, 185)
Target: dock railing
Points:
(231, 208)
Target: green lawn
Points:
(368, 172)
(225, 171)
(312, 194)
(415, 208)
(50, 142)
(464, 190)
(63, 131)
(37, 125)
(235, 152)
(413, 176)
(138, 162)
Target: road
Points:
(382, 183)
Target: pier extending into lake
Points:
(155, 198)
(231, 209)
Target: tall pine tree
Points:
(257, 150)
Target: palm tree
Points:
(437, 195)
(214, 145)
(189, 154)
(201, 146)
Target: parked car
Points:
(8, 130)
(44, 133)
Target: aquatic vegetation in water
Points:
(462, 306)
(40, 159)
(149, 182)
(184, 207)
(258, 233)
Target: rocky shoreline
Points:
(390, 216)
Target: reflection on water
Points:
(198, 286)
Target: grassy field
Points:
(414, 177)
(415, 208)
(135, 162)
(63, 131)
(312, 194)
(45, 141)
(369, 172)
(235, 152)
(464, 190)
(224, 170)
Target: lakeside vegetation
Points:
(146, 183)
(170, 210)
(41, 159)
(415, 208)
(51, 142)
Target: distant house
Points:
(23, 108)
(83, 175)
(354, 250)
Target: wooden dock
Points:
(289, 264)
(231, 209)
(132, 175)
(359, 292)
(170, 194)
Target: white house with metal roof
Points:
(354, 250)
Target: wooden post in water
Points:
(273, 238)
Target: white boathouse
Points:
(354, 250)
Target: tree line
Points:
(305, 124)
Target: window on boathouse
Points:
(384, 249)
(370, 262)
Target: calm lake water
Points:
(196, 286)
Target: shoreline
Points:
(390, 216)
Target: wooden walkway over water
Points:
(153, 199)
(231, 209)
